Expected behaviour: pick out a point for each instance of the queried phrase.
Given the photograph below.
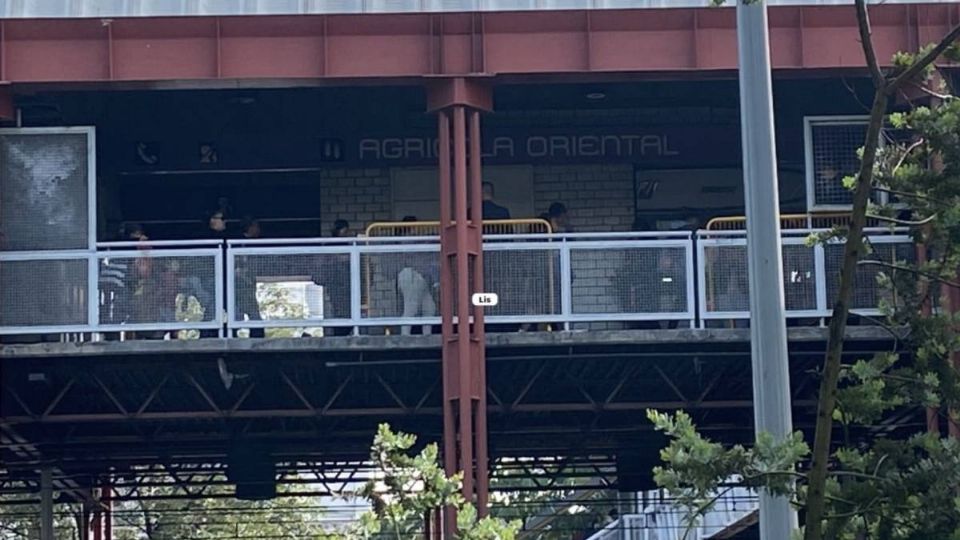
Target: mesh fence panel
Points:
(867, 293)
(799, 278)
(157, 289)
(43, 293)
(629, 280)
(43, 191)
(527, 281)
(834, 157)
(404, 284)
(725, 271)
(292, 286)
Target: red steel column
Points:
(107, 499)
(458, 102)
(96, 525)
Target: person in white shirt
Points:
(416, 283)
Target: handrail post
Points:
(566, 284)
(355, 294)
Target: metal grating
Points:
(632, 280)
(867, 294)
(799, 278)
(44, 191)
(274, 286)
(834, 147)
(152, 289)
(527, 281)
(725, 275)
(50, 292)
(401, 284)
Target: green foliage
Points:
(697, 469)
(275, 303)
(409, 487)
(404, 489)
(883, 482)
(562, 504)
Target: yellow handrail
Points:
(825, 220)
(432, 228)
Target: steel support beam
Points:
(461, 275)
(768, 332)
(207, 50)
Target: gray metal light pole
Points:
(768, 333)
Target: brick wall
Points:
(599, 198)
(360, 196)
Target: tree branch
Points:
(928, 275)
(921, 63)
(916, 144)
(931, 93)
(907, 194)
(863, 24)
(904, 222)
(816, 488)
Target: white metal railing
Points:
(390, 282)
(811, 273)
(670, 521)
(557, 280)
(163, 286)
(120, 287)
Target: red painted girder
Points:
(415, 45)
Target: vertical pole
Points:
(478, 336)
(447, 290)
(463, 299)
(771, 375)
(96, 524)
(46, 504)
(84, 524)
(458, 104)
(107, 498)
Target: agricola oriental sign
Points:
(550, 147)
(656, 147)
(661, 146)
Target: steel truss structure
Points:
(566, 409)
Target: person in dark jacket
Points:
(492, 210)
(337, 281)
(246, 289)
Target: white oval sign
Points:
(485, 299)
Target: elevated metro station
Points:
(247, 236)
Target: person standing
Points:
(416, 283)
(558, 218)
(216, 230)
(337, 281)
(246, 289)
(491, 210)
